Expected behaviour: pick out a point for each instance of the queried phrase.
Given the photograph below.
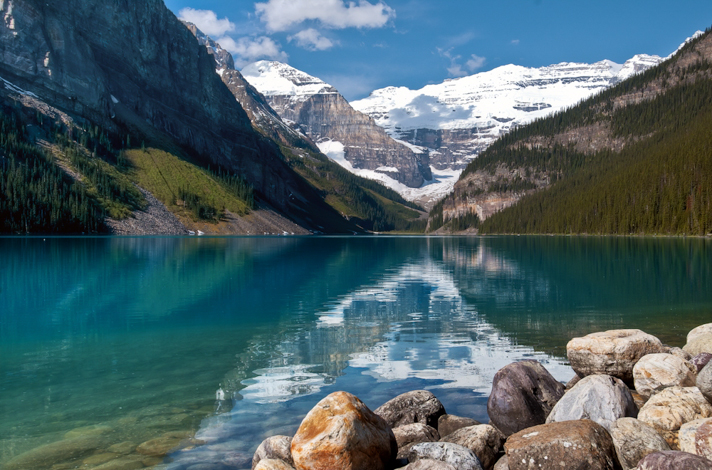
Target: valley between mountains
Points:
(143, 125)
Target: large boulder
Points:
(410, 434)
(674, 460)
(275, 447)
(459, 457)
(341, 432)
(699, 331)
(448, 424)
(523, 395)
(568, 445)
(655, 372)
(483, 440)
(700, 344)
(419, 406)
(600, 398)
(429, 464)
(669, 409)
(696, 437)
(613, 352)
(704, 381)
(633, 440)
(701, 360)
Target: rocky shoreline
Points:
(634, 403)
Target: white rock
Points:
(655, 372)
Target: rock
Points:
(272, 464)
(459, 457)
(45, 455)
(700, 344)
(419, 406)
(275, 447)
(94, 430)
(673, 407)
(633, 440)
(696, 437)
(123, 463)
(704, 382)
(638, 399)
(429, 464)
(613, 352)
(701, 360)
(600, 398)
(655, 372)
(568, 445)
(574, 380)
(160, 446)
(341, 432)
(410, 434)
(98, 459)
(523, 395)
(699, 331)
(502, 463)
(122, 447)
(483, 440)
(674, 460)
(679, 352)
(448, 424)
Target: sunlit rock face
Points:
(319, 111)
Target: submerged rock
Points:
(419, 406)
(459, 457)
(341, 432)
(46, 455)
(613, 352)
(483, 440)
(600, 398)
(523, 394)
(633, 440)
(655, 372)
(567, 445)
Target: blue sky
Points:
(361, 45)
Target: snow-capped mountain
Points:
(349, 137)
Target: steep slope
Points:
(320, 112)
(632, 159)
(364, 202)
(132, 68)
(458, 119)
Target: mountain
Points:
(348, 136)
(633, 158)
(459, 118)
(365, 203)
(88, 82)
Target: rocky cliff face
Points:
(320, 112)
(134, 64)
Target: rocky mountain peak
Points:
(222, 57)
(278, 79)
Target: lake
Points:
(108, 343)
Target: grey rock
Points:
(681, 353)
(429, 464)
(699, 331)
(410, 434)
(275, 447)
(448, 424)
(701, 360)
(674, 460)
(568, 445)
(655, 372)
(600, 398)
(523, 394)
(574, 380)
(502, 463)
(483, 440)
(419, 406)
(704, 381)
(699, 344)
(613, 352)
(273, 464)
(453, 454)
(634, 440)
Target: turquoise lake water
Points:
(212, 344)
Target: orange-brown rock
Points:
(341, 432)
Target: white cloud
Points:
(280, 15)
(515, 42)
(312, 40)
(207, 21)
(247, 50)
(475, 62)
